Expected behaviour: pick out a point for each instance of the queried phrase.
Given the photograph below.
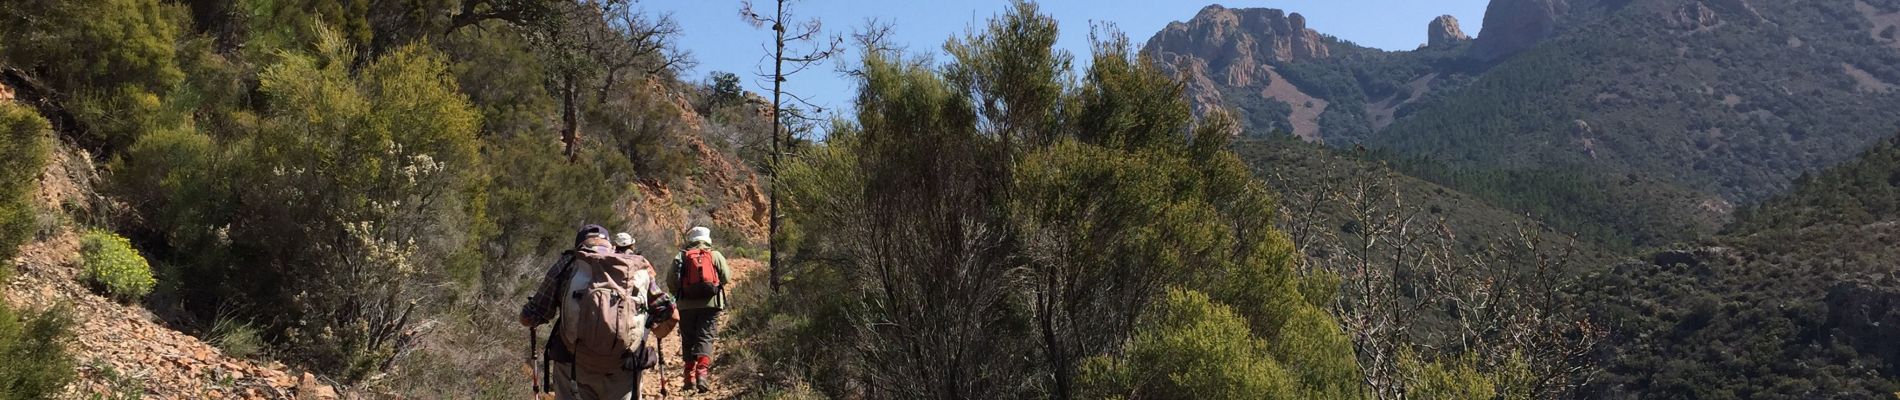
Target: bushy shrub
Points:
(362, 192)
(110, 62)
(37, 364)
(22, 151)
(112, 264)
(1192, 348)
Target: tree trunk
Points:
(778, 79)
(570, 116)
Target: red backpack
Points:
(699, 275)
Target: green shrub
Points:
(37, 365)
(112, 263)
(236, 337)
(361, 192)
(22, 151)
(1193, 348)
(111, 63)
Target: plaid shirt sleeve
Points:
(540, 307)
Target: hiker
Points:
(699, 276)
(623, 244)
(598, 347)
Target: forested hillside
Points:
(1627, 122)
(1797, 301)
(1631, 124)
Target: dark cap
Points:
(589, 230)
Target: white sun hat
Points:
(699, 234)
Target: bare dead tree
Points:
(813, 49)
(638, 42)
(1410, 287)
(596, 44)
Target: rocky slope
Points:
(123, 349)
(724, 192)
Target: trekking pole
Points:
(533, 373)
(662, 367)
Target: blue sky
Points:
(721, 41)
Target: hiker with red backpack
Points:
(607, 303)
(699, 276)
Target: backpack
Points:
(603, 314)
(699, 275)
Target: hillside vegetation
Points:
(1629, 123)
(357, 189)
(1637, 125)
(1797, 301)
(1310, 178)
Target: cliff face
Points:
(1444, 31)
(1512, 26)
(1236, 42)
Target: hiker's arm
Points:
(662, 300)
(673, 276)
(539, 308)
(725, 277)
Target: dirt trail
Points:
(723, 387)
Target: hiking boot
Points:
(690, 375)
(704, 384)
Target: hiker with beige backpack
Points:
(610, 304)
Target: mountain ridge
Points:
(1725, 101)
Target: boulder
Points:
(309, 388)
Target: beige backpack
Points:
(604, 312)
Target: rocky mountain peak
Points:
(1238, 48)
(1512, 26)
(1259, 34)
(1444, 31)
